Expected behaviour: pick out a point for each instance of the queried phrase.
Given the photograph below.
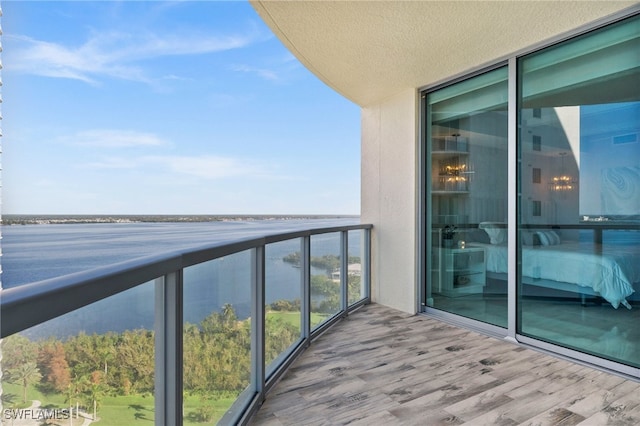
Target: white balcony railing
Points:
(37, 303)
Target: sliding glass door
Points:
(579, 152)
(467, 187)
(569, 191)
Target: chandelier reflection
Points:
(453, 175)
(564, 182)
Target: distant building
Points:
(353, 270)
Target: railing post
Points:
(344, 272)
(366, 265)
(305, 302)
(258, 321)
(168, 349)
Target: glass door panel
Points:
(579, 198)
(467, 197)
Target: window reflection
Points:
(467, 132)
(579, 230)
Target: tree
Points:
(229, 315)
(323, 286)
(279, 336)
(135, 359)
(217, 354)
(355, 290)
(328, 262)
(82, 354)
(25, 375)
(95, 391)
(107, 354)
(293, 258)
(54, 367)
(286, 305)
(17, 350)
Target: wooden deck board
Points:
(381, 366)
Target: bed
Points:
(609, 271)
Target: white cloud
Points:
(213, 167)
(278, 70)
(113, 54)
(265, 73)
(115, 163)
(106, 138)
(207, 167)
(226, 100)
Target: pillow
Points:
(476, 236)
(527, 238)
(548, 238)
(530, 238)
(496, 234)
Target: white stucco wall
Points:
(389, 179)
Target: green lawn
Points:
(293, 318)
(116, 410)
(12, 397)
(125, 410)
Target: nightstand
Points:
(463, 271)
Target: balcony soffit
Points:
(371, 50)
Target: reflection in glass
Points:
(325, 277)
(467, 184)
(579, 121)
(91, 362)
(217, 335)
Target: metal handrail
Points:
(51, 298)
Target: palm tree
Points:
(92, 388)
(229, 315)
(107, 354)
(95, 393)
(25, 374)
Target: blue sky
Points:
(140, 107)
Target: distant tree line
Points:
(327, 262)
(72, 219)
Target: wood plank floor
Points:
(384, 367)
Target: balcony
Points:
(368, 364)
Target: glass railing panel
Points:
(216, 336)
(325, 277)
(283, 293)
(355, 251)
(94, 363)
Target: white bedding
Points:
(611, 273)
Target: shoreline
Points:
(32, 219)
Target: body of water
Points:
(37, 252)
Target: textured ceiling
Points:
(371, 50)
